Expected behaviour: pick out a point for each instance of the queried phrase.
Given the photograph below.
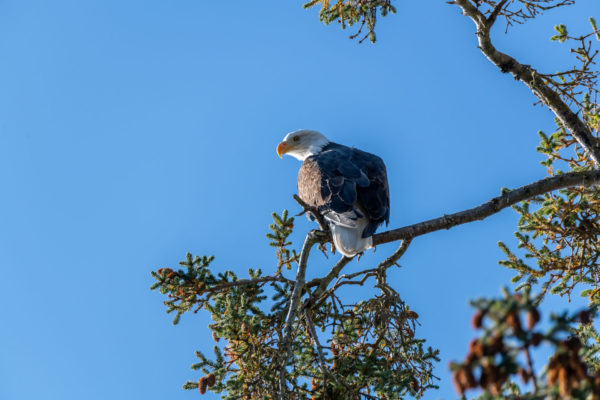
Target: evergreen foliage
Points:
(365, 350)
(351, 12)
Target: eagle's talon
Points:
(318, 235)
(323, 250)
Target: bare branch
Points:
(586, 178)
(310, 240)
(313, 210)
(324, 282)
(494, 205)
(531, 78)
(315, 338)
(391, 260)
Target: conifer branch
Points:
(494, 205)
(531, 78)
(321, 292)
(245, 282)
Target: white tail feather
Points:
(347, 237)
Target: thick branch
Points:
(494, 14)
(529, 77)
(492, 206)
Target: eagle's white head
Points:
(302, 143)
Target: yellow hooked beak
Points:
(282, 148)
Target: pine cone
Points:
(202, 384)
(533, 317)
(477, 321)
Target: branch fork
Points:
(578, 129)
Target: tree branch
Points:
(331, 275)
(494, 14)
(586, 178)
(494, 205)
(315, 338)
(246, 282)
(313, 210)
(391, 260)
(310, 240)
(529, 77)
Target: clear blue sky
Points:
(133, 131)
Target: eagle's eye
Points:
(295, 138)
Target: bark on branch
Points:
(529, 77)
(570, 179)
(311, 239)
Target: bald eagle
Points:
(348, 187)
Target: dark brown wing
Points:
(339, 177)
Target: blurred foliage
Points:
(503, 352)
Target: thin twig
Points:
(391, 260)
(324, 282)
(315, 338)
(310, 240)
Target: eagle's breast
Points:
(312, 184)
